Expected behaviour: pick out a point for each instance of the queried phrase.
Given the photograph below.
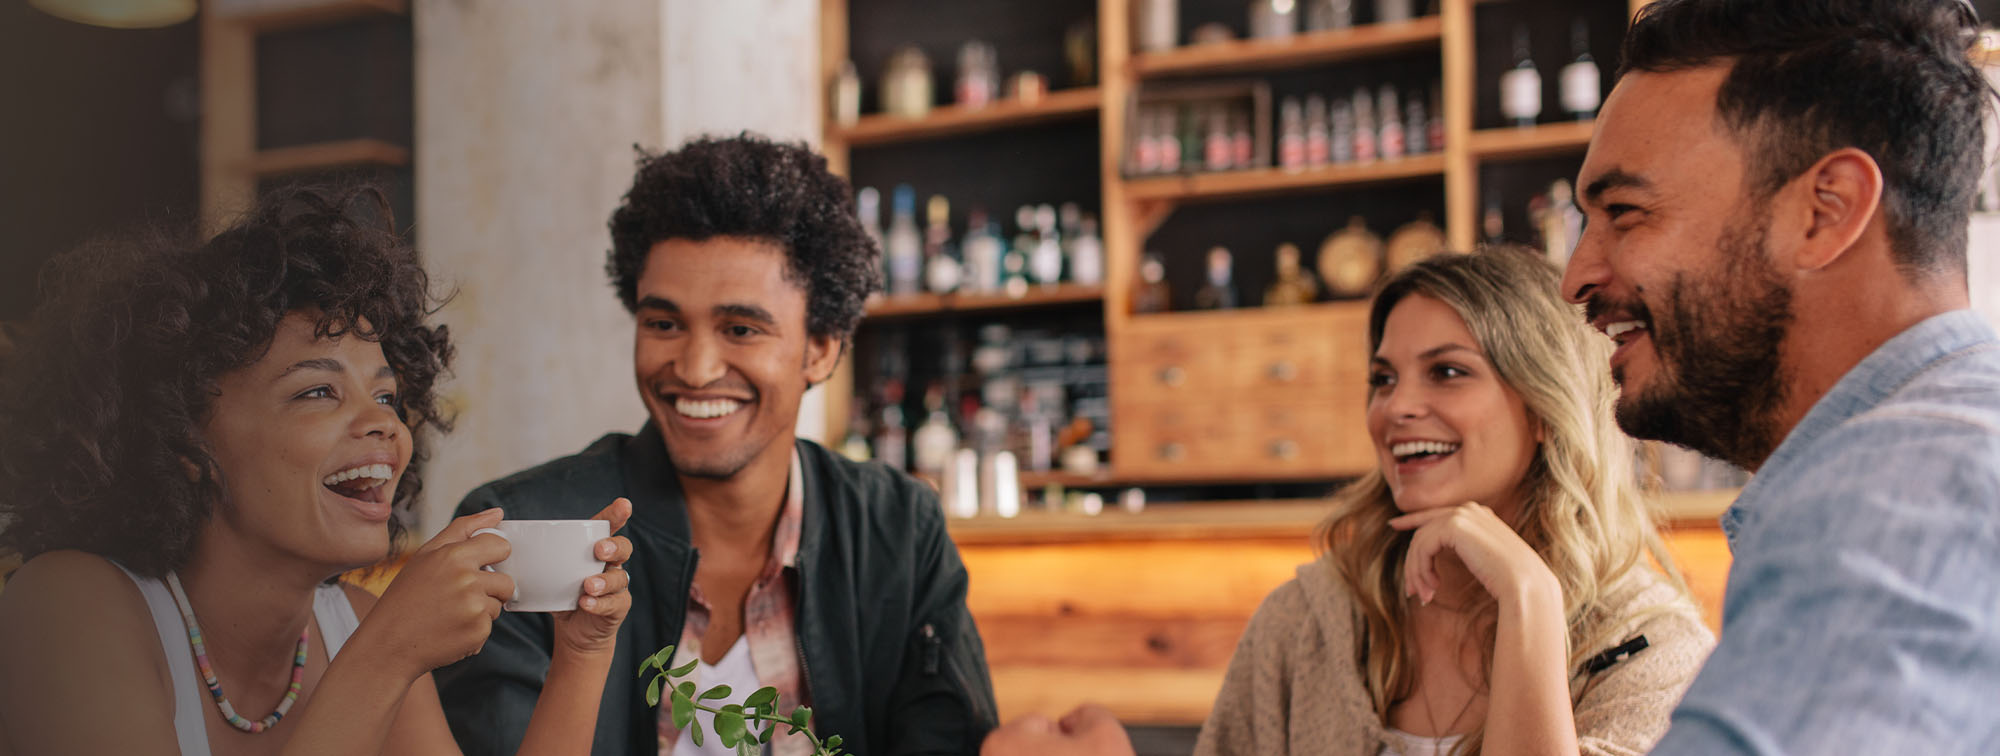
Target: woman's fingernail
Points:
(589, 602)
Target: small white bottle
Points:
(1521, 86)
(1580, 83)
(1086, 255)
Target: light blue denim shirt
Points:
(1863, 609)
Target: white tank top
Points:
(330, 608)
(734, 670)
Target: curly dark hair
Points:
(750, 186)
(105, 401)
(1888, 77)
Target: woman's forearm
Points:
(565, 718)
(1529, 710)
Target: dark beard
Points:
(1719, 391)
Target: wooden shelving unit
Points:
(954, 120)
(921, 305)
(327, 155)
(1307, 49)
(1269, 181)
(1533, 141)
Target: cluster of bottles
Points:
(1368, 126)
(1194, 137)
(1038, 402)
(1155, 24)
(1350, 261)
(1556, 221)
(1521, 86)
(1049, 247)
(907, 87)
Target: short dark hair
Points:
(104, 403)
(749, 186)
(1889, 77)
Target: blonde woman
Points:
(1496, 585)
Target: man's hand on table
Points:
(1087, 731)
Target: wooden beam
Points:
(229, 118)
(324, 156)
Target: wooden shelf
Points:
(1532, 141)
(1234, 56)
(1036, 481)
(919, 305)
(1265, 181)
(953, 120)
(327, 155)
(272, 15)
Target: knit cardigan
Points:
(1293, 686)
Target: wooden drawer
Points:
(1239, 441)
(1209, 356)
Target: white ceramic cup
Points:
(551, 559)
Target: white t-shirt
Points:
(1418, 745)
(734, 670)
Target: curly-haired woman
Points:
(200, 439)
(1495, 586)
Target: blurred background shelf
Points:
(956, 120)
(1532, 142)
(922, 305)
(1272, 181)
(1308, 48)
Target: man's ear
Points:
(822, 356)
(1844, 191)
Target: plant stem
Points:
(818, 747)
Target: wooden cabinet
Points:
(1210, 396)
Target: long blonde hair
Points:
(1580, 505)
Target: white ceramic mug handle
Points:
(488, 567)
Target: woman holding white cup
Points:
(201, 438)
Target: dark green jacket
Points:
(891, 659)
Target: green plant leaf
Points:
(694, 733)
(683, 711)
(684, 669)
(763, 698)
(769, 730)
(802, 716)
(686, 688)
(833, 741)
(729, 728)
(653, 691)
(719, 691)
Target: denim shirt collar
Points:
(1882, 373)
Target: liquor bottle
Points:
(982, 252)
(891, 440)
(1155, 25)
(1434, 136)
(1340, 131)
(905, 247)
(935, 440)
(1039, 431)
(1324, 15)
(1086, 254)
(1294, 286)
(906, 83)
(1219, 293)
(1190, 136)
(1364, 126)
(1580, 92)
(868, 206)
(1273, 19)
(1165, 133)
(1416, 127)
(1146, 147)
(855, 445)
(1219, 155)
(1493, 223)
(1392, 143)
(1014, 262)
(846, 95)
(1242, 150)
(942, 268)
(1392, 11)
(1291, 135)
(1521, 87)
(1152, 294)
(1080, 53)
(1317, 152)
(1045, 263)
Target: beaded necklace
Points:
(215, 686)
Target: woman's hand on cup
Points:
(601, 606)
(441, 605)
(1497, 557)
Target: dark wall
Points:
(97, 132)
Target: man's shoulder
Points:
(870, 490)
(533, 492)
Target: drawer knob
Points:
(1172, 451)
(1283, 371)
(1284, 449)
(1173, 376)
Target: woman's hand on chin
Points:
(441, 606)
(1506, 566)
(593, 626)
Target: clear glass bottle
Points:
(1317, 150)
(1581, 93)
(1364, 126)
(1217, 155)
(1273, 19)
(891, 439)
(846, 97)
(1291, 135)
(978, 75)
(982, 252)
(905, 245)
(942, 268)
(1416, 127)
(1164, 133)
(1086, 254)
(1014, 262)
(1045, 263)
(1325, 15)
(1340, 131)
(1242, 148)
(1521, 86)
(1151, 293)
(906, 84)
(936, 440)
(1392, 143)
